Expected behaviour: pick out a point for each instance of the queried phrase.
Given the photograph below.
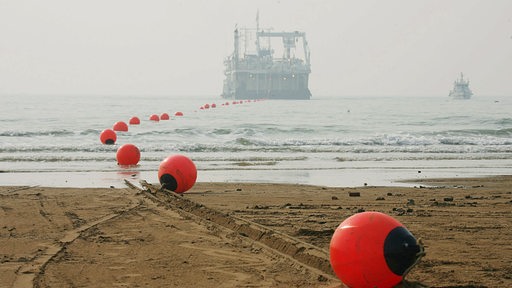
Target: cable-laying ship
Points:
(253, 72)
(461, 89)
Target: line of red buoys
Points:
(390, 250)
(121, 126)
(177, 172)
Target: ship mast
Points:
(257, 30)
(236, 53)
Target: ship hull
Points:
(460, 95)
(252, 95)
(254, 85)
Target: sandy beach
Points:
(244, 234)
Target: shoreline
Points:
(356, 177)
(105, 236)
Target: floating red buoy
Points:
(120, 126)
(134, 120)
(177, 173)
(372, 249)
(164, 116)
(108, 136)
(206, 106)
(128, 154)
(178, 113)
(214, 105)
(154, 117)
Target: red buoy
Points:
(128, 154)
(134, 120)
(372, 249)
(207, 106)
(154, 117)
(214, 105)
(108, 136)
(177, 173)
(178, 113)
(120, 126)
(164, 116)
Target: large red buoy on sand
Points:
(108, 136)
(164, 116)
(177, 173)
(134, 120)
(154, 117)
(128, 154)
(372, 249)
(120, 126)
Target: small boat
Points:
(461, 89)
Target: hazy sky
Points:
(171, 47)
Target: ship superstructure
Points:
(253, 71)
(461, 89)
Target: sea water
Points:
(334, 141)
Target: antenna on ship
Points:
(258, 31)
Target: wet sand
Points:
(245, 235)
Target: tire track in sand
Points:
(27, 273)
(299, 252)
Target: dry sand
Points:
(245, 235)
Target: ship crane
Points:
(289, 40)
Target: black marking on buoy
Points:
(109, 142)
(168, 182)
(400, 250)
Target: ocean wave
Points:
(59, 132)
(90, 162)
(383, 143)
(58, 149)
(91, 132)
(57, 158)
(505, 132)
(504, 121)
